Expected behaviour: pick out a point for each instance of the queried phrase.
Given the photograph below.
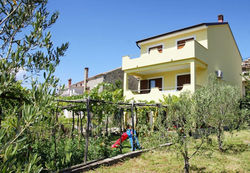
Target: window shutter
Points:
(158, 83)
(181, 43)
(159, 48)
(181, 80)
(144, 86)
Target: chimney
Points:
(69, 82)
(86, 73)
(220, 18)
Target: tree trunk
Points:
(107, 125)
(186, 162)
(78, 122)
(83, 116)
(219, 137)
(185, 155)
(100, 123)
(19, 116)
(73, 125)
(0, 117)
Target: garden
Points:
(36, 137)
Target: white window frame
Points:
(180, 74)
(184, 38)
(160, 44)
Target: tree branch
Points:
(10, 44)
(197, 149)
(11, 142)
(10, 14)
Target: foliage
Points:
(245, 101)
(184, 124)
(218, 106)
(103, 112)
(25, 44)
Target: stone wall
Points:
(113, 76)
(94, 82)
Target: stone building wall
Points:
(94, 82)
(118, 74)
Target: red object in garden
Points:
(118, 142)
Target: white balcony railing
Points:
(155, 94)
(190, 50)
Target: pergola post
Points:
(87, 131)
(133, 124)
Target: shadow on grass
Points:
(197, 169)
(235, 148)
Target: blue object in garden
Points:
(130, 135)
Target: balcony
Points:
(155, 93)
(192, 49)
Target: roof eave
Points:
(176, 31)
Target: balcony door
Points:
(181, 80)
(147, 84)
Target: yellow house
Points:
(181, 60)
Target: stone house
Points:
(91, 82)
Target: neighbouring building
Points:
(91, 82)
(181, 60)
(245, 73)
(108, 77)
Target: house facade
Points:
(181, 60)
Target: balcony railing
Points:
(146, 91)
(190, 50)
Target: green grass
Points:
(236, 158)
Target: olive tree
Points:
(183, 123)
(220, 103)
(25, 44)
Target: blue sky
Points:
(100, 32)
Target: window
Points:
(181, 43)
(152, 84)
(181, 80)
(144, 86)
(159, 48)
(147, 85)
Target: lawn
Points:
(236, 158)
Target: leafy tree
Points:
(183, 123)
(245, 101)
(218, 106)
(25, 44)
